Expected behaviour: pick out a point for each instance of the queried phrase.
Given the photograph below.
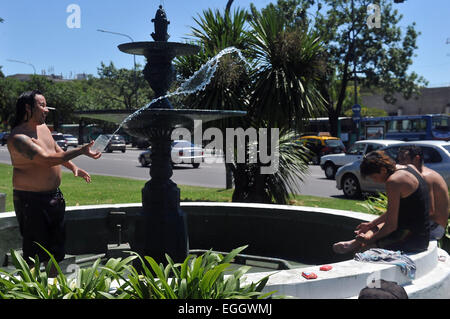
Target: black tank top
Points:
(413, 212)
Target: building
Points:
(430, 101)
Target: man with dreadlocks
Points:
(37, 160)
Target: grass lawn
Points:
(115, 190)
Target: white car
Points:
(436, 155)
(183, 152)
(331, 163)
(71, 140)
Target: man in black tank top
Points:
(405, 224)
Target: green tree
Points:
(119, 87)
(279, 91)
(379, 56)
(10, 89)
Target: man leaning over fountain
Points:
(36, 161)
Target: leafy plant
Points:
(27, 282)
(200, 277)
(377, 204)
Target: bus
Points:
(407, 127)
(346, 128)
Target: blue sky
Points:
(36, 32)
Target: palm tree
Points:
(279, 91)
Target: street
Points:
(208, 175)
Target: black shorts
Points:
(41, 220)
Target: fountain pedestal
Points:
(163, 229)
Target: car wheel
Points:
(330, 170)
(350, 186)
(123, 151)
(196, 165)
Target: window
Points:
(372, 147)
(357, 149)
(334, 143)
(441, 124)
(392, 152)
(430, 155)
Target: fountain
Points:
(164, 227)
(279, 234)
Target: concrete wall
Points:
(302, 234)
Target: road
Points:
(208, 175)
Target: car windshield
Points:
(356, 149)
(58, 137)
(447, 147)
(334, 143)
(182, 144)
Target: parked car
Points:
(331, 163)
(141, 143)
(71, 140)
(116, 143)
(4, 137)
(436, 156)
(322, 145)
(60, 140)
(183, 152)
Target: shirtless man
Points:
(37, 160)
(437, 187)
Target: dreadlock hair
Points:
(21, 111)
(374, 161)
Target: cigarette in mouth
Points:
(51, 108)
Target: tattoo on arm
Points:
(25, 147)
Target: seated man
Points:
(436, 185)
(405, 224)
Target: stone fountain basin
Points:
(292, 233)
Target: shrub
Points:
(200, 277)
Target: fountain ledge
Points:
(345, 280)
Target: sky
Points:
(37, 32)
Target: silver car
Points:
(71, 140)
(331, 163)
(436, 156)
(183, 152)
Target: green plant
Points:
(376, 204)
(28, 282)
(200, 277)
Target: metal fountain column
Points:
(163, 229)
(165, 225)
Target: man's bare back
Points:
(439, 196)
